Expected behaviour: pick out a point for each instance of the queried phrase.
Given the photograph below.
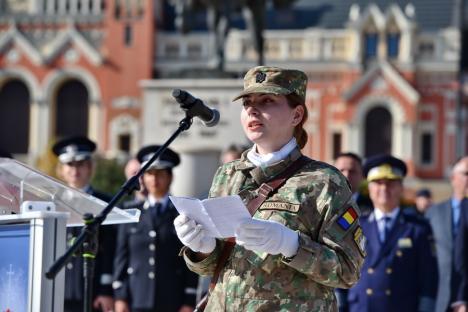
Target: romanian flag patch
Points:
(347, 218)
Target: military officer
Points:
(350, 165)
(149, 274)
(400, 271)
(305, 239)
(76, 168)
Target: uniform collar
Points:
(379, 215)
(153, 200)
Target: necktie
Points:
(156, 210)
(387, 228)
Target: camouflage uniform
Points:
(313, 202)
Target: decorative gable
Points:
(377, 78)
(69, 38)
(14, 37)
(72, 38)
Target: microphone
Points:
(196, 108)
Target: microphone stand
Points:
(89, 233)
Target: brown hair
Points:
(299, 132)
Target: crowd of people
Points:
(315, 242)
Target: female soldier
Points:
(305, 239)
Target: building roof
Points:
(429, 14)
(332, 14)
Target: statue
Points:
(218, 20)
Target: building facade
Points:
(72, 67)
(383, 77)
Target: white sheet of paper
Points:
(220, 216)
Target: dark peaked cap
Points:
(167, 160)
(74, 149)
(424, 192)
(384, 167)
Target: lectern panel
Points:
(14, 266)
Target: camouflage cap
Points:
(274, 80)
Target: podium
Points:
(34, 212)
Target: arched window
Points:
(71, 115)
(378, 132)
(371, 40)
(393, 39)
(393, 45)
(14, 111)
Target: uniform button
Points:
(151, 261)
(152, 233)
(130, 270)
(69, 266)
(370, 270)
(152, 247)
(399, 253)
(369, 291)
(389, 271)
(388, 292)
(151, 275)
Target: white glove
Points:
(193, 235)
(267, 236)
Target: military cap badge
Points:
(260, 77)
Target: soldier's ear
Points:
(298, 115)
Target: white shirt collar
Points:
(379, 215)
(153, 200)
(271, 158)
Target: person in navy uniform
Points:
(75, 168)
(350, 165)
(149, 274)
(400, 270)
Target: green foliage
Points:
(108, 175)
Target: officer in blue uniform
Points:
(149, 274)
(76, 168)
(400, 270)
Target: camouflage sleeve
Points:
(335, 257)
(205, 267)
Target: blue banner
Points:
(14, 267)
